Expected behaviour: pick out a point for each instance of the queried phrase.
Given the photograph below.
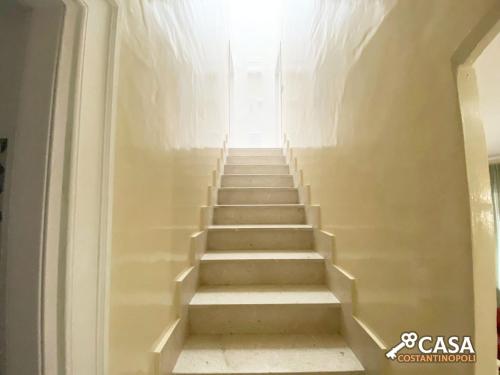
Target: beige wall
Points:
(488, 82)
(370, 107)
(171, 121)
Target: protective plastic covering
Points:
(174, 62)
(172, 118)
(322, 40)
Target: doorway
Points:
(468, 63)
(254, 120)
(488, 90)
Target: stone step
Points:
(256, 169)
(262, 306)
(260, 237)
(264, 309)
(259, 214)
(257, 195)
(255, 152)
(309, 354)
(262, 267)
(256, 159)
(256, 180)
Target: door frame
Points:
(480, 203)
(69, 290)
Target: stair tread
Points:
(258, 156)
(257, 165)
(267, 354)
(255, 148)
(255, 175)
(257, 188)
(270, 205)
(263, 295)
(261, 255)
(260, 226)
(275, 169)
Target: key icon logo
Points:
(408, 340)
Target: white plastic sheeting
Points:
(322, 40)
(175, 54)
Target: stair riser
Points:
(258, 196)
(276, 239)
(256, 169)
(354, 372)
(269, 271)
(255, 152)
(259, 215)
(256, 160)
(255, 319)
(257, 181)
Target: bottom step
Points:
(267, 354)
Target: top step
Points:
(255, 152)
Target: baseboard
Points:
(313, 216)
(168, 346)
(363, 341)
(207, 215)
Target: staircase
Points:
(262, 306)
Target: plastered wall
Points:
(171, 121)
(370, 108)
